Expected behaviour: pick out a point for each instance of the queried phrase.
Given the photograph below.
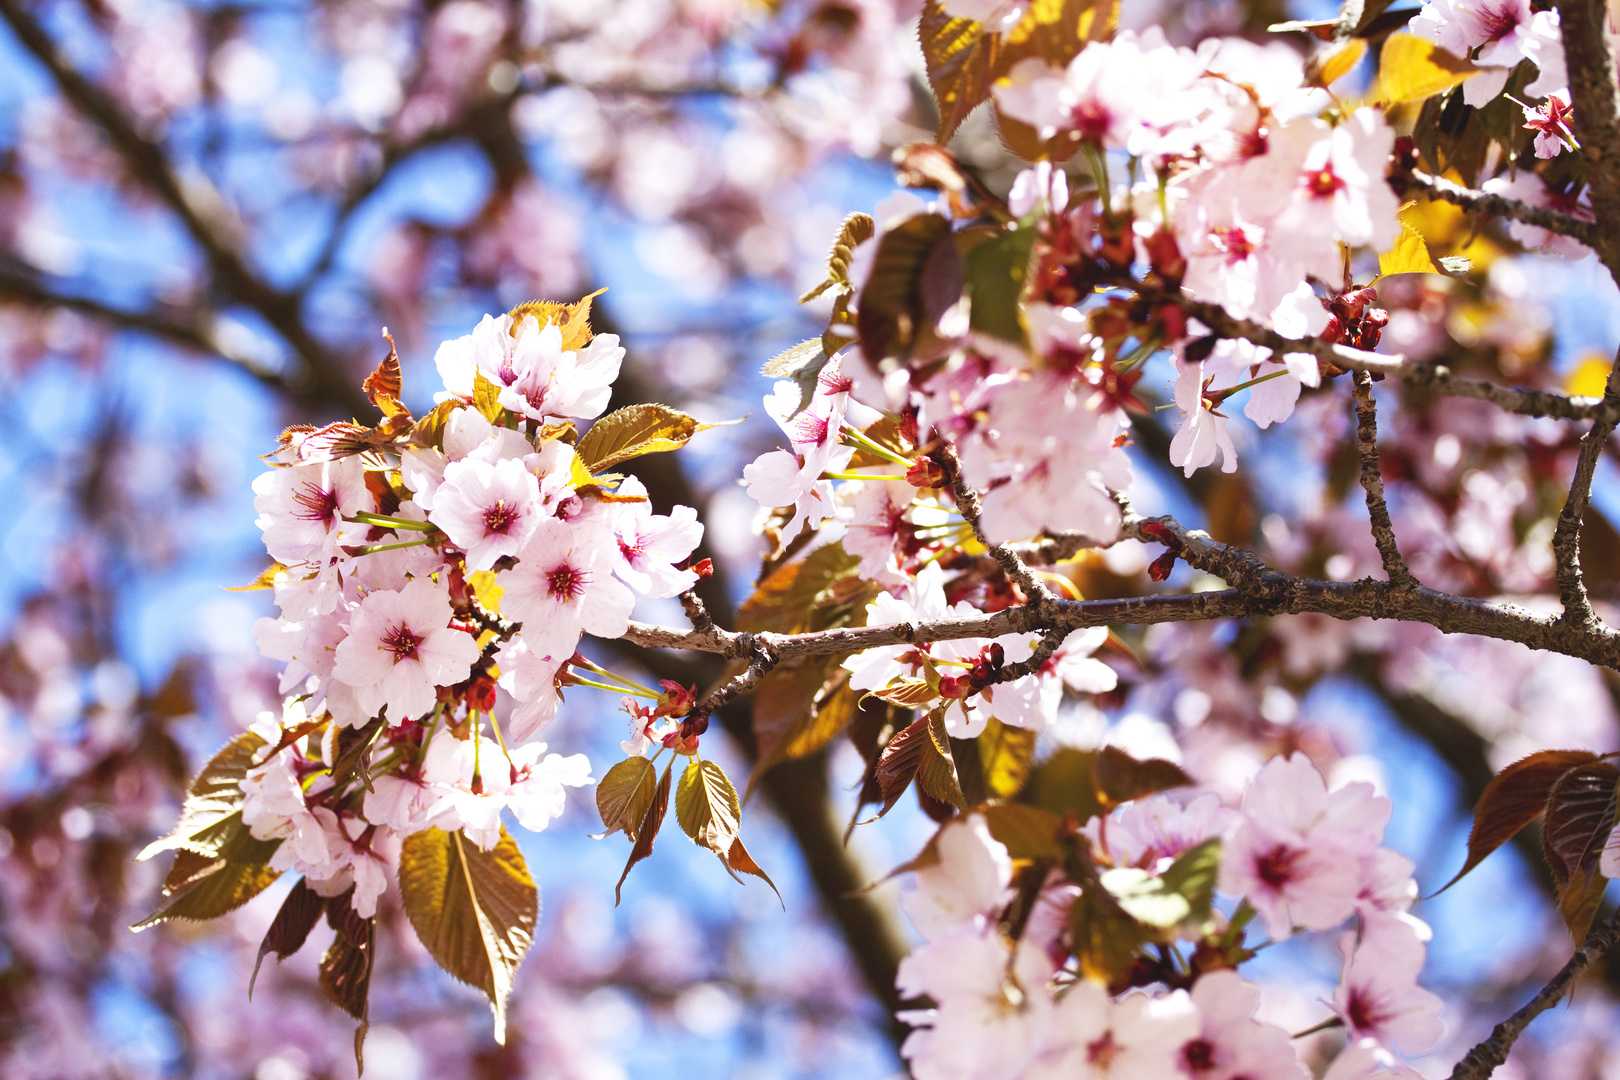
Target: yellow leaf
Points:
(1410, 255)
(265, 580)
(1589, 378)
(635, 430)
(1411, 69)
(482, 584)
(1327, 70)
(574, 320)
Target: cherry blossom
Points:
(489, 510)
(563, 585)
(401, 647)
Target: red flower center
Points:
(1276, 867)
(1324, 183)
(567, 583)
(499, 517)
(318, 504)
(401, 642)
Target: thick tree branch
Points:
(1480, 1062)
(201, 210)
(1566, 543)
(1372, 482)
(1584, 24)
(1438, 187)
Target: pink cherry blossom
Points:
(563, 585)
(489, 511)
(1231, 1044)
(302, 508)
(401, 648)
(1378, 996)
(651, 544)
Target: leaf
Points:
(1325, 71)
(625, 793)
(635, 430)
(822, 591)
(1063, 785)
(739, 861)
(802, 363)
(897, 765)
(936, 767)
(574, 320)
(706, 806)
(487, 399)
(916, 275)
(290, 929)
(1410, 255)
(382, 386)
(800, 707)
(996, 272)
(964, 59)
(473, 910)
(1580, 815)
(1027, 831)
(1005, 754)
(1192, 876)
(909, 692)
(856, 230)
(346, 977)
(1102, 934)
(1412, 69)
(213, 797)
(1514, 798)
(201, 887)
(1119, 778)
(353, 744)
(646, 832)
(265, 580)
(429, 430)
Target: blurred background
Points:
(208, 211)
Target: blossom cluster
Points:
(1011, 1004)
(430, 586)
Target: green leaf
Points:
(1102, 934)
(473, 910)
(1192, 876)
(916, 276)
(1514, 798)
(1181, 895)
(1026, 831)
(633, 431)
(1412, 69)
(487, 399)
(1063, 785)
(298, 915)
(624, 795)
(203, 887)
(214, 798)
(646, 832)
(856, 229)
(706, 806)
(1005, 756)
(353, 748)
(822, 591)
(1581, 810)
(997, 270)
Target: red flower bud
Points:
(1159, 569)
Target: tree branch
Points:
(1438, 187)
(1480, 1062)
(1566, 542)
(202, 211)
(1417, 373)
(1372, 482)
(967, 501)
(1584, 25)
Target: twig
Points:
(1417, 373)
(1438, 187)
(1584, 25)
(1566, 542)
(1480, 1062)
(1372, 482)
(967, 501)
